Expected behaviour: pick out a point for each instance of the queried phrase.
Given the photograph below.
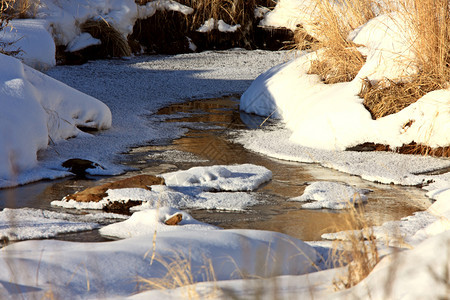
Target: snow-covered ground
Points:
(39, 114)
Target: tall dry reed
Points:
(340, 61)
(358, 251)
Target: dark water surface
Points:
(212, 123)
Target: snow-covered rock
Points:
(151, 221)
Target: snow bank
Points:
(33, 39)
(333, 117)
(106, 270)
(151, 221)
(37, 109)
(388, 46)
(332, 195)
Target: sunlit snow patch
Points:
(333, 195)
(246, 177)
(149, 221)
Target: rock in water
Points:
(97, 193)
(78, 166)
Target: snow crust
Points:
(246, 177)
(380, 167)
(332, 195)
(26, 223)
(37, 110)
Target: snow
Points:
(215, 187)
(37, 110)
(150, 8)
(325, 116)
(82, 41)
(212, 24)
(290, 13)
(332, 195)
(107, 270)
(151, 221)
(224, 27)
(389, 47)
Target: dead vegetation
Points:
(430, 19)
(388, 97)
(340, 61)
(180, 273)
(341, 64)
(358, 251)
(113, 43)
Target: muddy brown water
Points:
(208, 142)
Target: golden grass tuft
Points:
(388, 97)
(113, 42)
(358, 251)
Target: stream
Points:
(211, 124)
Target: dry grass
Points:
(113, 42)
(358, 251)
(388, 97)
(180, 274)
(431, 21)
(338, 65)
(340, 61)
